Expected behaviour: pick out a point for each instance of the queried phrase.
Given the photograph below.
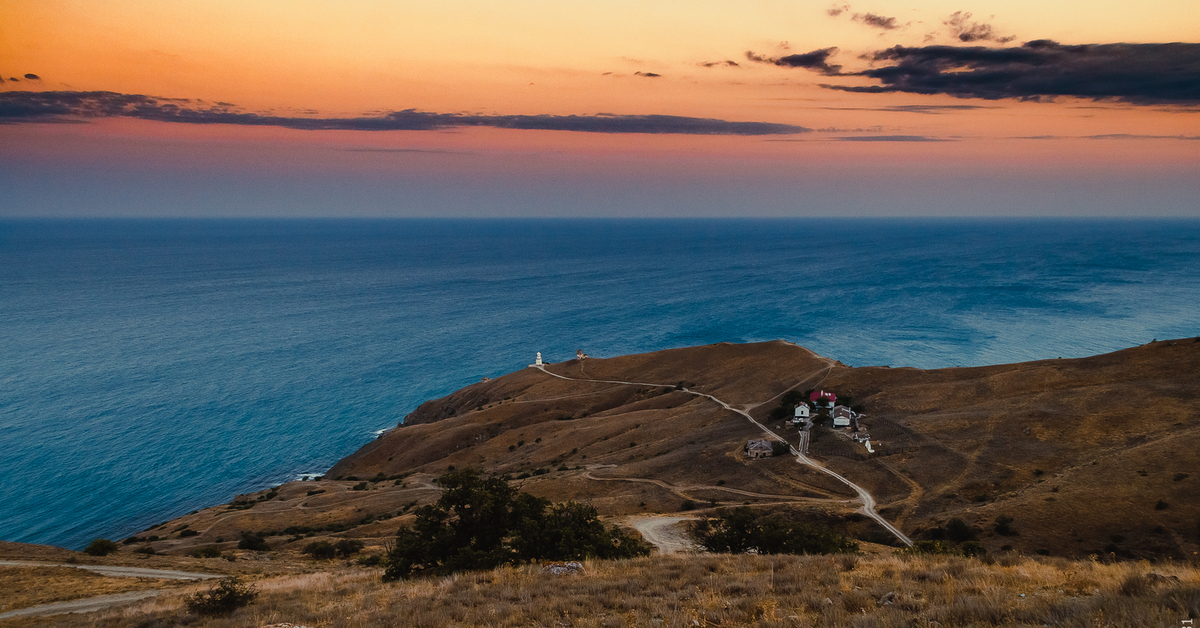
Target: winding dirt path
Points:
(112, 570)
(99, 602)
(868, 502)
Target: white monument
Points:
(538, 362)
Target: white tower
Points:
(538, 362)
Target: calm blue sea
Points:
(149, 368)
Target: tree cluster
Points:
(482, 523)
(742, 530)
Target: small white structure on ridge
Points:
(538, 362)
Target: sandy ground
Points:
(665, 533)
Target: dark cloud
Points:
(925, 109)
(890, 138)
(817, 60)
(837, 10)
(647, 74)
(713, 64)
(33, 77)
(14, 79)
(878, 21)
(16, 107)
(1042, 70)
(965, 30)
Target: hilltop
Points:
(1088, 456)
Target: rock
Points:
(888, 598)
(563, 569)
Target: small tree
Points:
(225, 597)
(101, 547)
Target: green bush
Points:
(101, 547)
(1004, 526)
(251, 541)
(225, 597)
(958, 531)
(186, 533)
(482, 523)
(348, 547)
(742, 530)
(208, 551)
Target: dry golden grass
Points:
(707, 590)
(22, 587)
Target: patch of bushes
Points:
(322, 550)
(1004, 526)
(743, 530)
(186, 533)
(208, 551)
(101, 547)
(225, 597)
(253, 542)
(361, 486)
(958, 531)
(482, 523)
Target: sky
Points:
(317, 108)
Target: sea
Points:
(149, 368)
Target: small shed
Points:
(802, 412)
(759, 448)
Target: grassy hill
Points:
(1087, 456)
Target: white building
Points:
(802, 413)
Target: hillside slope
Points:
(1093, 455)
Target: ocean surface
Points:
(150, 368)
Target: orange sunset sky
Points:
(563, 108)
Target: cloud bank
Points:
(21, 106)
(1042, 70)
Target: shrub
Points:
(186, 533)
(481, 523)
(687, 505)
(100, 547)
(251, 541)
(145, 549)
(225, 597)
(348, 547)
(1004, 526)
(958, 531)
(361, 486)
(1161, 505)
(319, 549)
(972, 548)
(208, 551)
(742, 530)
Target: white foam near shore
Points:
(304, 477)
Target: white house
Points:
(802, 413)
(842, 416)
